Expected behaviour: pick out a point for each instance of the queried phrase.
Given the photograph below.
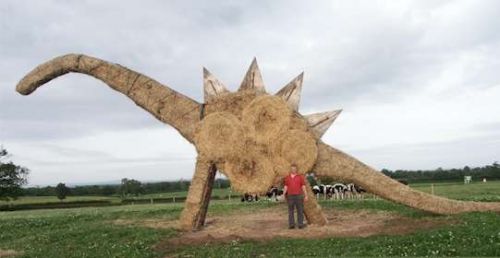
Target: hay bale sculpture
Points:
(249, 135)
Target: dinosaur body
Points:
(249, 135)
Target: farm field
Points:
(476, 191)
(53, 199)
(149, 230)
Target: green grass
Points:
(476, 191)
(89, 232)
(84, 232)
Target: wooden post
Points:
(198, 198)
(432, 189)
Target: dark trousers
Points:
(295, 201)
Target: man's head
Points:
(293, 169)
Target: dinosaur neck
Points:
(165, 104)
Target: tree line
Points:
(127, 188)
(490, 172)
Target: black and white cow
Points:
(354, 191)
(325, 190)
(339, 191)
(317, 190)
(274, 194)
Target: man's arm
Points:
(285, 188)
(304, 190)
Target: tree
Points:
(12, 177)
(61, 191)
(130, 187)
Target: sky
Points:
(418, 81)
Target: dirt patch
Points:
(272, 223)
(8, 253)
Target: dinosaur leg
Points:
(200, 190)
(312, 210)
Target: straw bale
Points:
(250, 174)
(297, 147)
(268, 117)
(219, 136)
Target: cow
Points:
(274, 194)
(354, 191)
(247, 197)
(326, 190)
(339, 191)
(316, 190)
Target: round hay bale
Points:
(267, 117)
(296, 147)
(219, 136)
(251, 174)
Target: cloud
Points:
(406, 73)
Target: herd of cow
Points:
(336, 191)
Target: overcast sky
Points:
(419, 81)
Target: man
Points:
(295, 193)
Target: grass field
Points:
(90, 232)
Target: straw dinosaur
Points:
(249, 135)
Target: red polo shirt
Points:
(294, 184)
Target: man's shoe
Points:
(302, 226)
(291, 227)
